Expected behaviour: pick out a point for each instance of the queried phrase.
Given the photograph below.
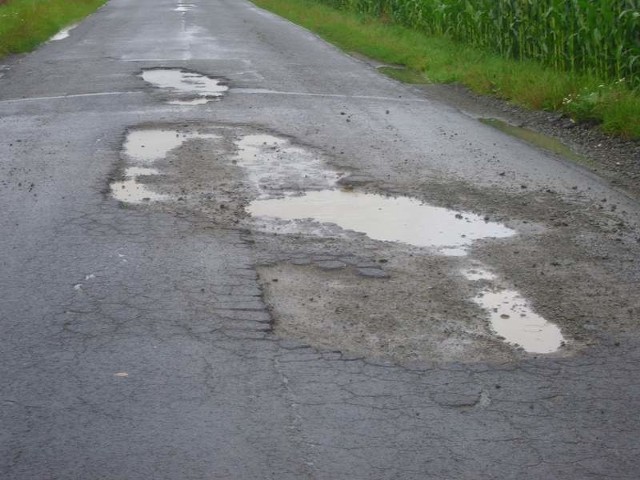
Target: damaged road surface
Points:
(229, 250)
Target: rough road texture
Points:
(136, 340)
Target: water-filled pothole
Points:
(193, 87)
(392, 219)
(273, 164)
(149, 145)
(512, 318)
(130, 190)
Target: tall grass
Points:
(24, 24)
(598, 37)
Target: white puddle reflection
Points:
(474, 274)
(186, 83)
(399, 219)
(273, 164)
(184, 7)
(195, 101)
(512, 318)
(62, 34)
(130, 191)
(148, 146)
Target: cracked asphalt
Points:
(138, 342)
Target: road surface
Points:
(152, 329)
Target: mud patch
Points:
(416, 316)
(188, 87)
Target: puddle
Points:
(148, 146)
(195, 101)
(512, 318)
(130, 191)
(538, 139)
(62, 34)
(190, 84)
(399, 219)
(475, 274)
(184, 7)
(272, 164)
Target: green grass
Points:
(440, 59)
(25, 24)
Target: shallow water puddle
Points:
(399, 219)
(475, 274)
(274, 164)
(148, 146)
(62, 34)
(186, 83)
(512, 318)
(184, 7)
(130, 191)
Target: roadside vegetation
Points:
(24, 24)
(579, 57)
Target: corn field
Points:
(598, 37)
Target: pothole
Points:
(150, 145)
(190, 87)
(512, 318)
(144, 147)
(384, 273)
(390, 219)
(275, 166)
(130, 190)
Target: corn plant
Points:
(599, 37)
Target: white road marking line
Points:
(60, 97)
(252, 91)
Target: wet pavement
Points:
(231, 251)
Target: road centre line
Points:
(60, 97)
(252, 91)
(243, 91)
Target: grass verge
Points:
(25, 24)
(615, 107)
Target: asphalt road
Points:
(136, 341)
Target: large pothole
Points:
(185, 87)
(428, 300)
